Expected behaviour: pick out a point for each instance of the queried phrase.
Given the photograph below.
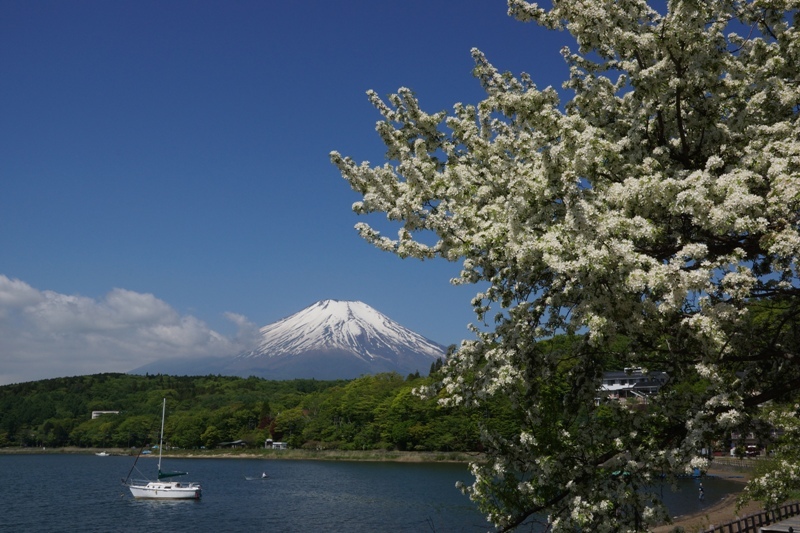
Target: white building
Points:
(96, 414)
(632, 383)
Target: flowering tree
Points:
(652, 219)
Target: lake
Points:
(55, 493)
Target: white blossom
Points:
(654, 216)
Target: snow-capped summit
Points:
(328, 340)
(334, 339)
(338, 325)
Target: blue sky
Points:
(166, 186)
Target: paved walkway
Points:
(783, 526)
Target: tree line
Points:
(371, 412)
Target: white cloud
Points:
(15, 293)
(248, 334)
(44, 334)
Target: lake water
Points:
(55, 493)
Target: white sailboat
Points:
(163, 490)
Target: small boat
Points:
(162, 490)
(102, 454)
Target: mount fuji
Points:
(330, 339)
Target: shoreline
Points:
(722, 512)
(261, 453)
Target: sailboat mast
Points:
(161, 438)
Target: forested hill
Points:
(371, 412)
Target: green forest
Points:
(373, 412)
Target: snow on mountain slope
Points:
(327, 340)
(332, 325)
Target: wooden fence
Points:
(752, 523)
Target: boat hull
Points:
(172, 490)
